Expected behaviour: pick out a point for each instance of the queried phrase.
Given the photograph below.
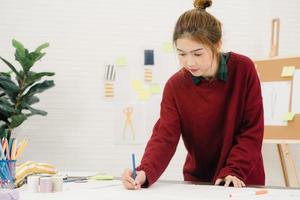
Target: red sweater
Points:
(221, 124)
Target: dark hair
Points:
(199, 25)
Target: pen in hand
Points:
(133, 166)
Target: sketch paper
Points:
(296, 92)
(276, 98)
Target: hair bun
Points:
(202, 4)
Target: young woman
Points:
(214, 102)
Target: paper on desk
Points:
(168, 191)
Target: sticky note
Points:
(288, 71)
(144, 95)
(167, 47)
(288, 116)
(121, 61)
(154, 88)
(137, 85)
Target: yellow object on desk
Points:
(101, 177)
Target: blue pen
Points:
(133, 166)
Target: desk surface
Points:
(161, 190)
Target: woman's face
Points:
(194, 56)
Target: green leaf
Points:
(3, 118)
(39, 87)
(34, 56)
(9, 87)
(25, 61)
(40, 56)
(10, 66)
(34, 77)
(35, 111)
(41, 47)
(17, 120)
(12, 86)
(3, 133)
(6, 108)
(30, 100)
(7, 74)
(22, 56)
(19, 47)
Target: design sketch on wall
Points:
(148, 63)
(130, 124)
(128, 112)
(109, 78)
(276, 99)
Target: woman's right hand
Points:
(130, 183)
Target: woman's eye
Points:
(197, 54)
(181, 54)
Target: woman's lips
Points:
(193, 70)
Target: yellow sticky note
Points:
(288, 116)
(167, 47)
(137, 85)
(121, 62)
(154, 88)
(288, 71)
(144, 95)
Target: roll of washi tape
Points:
(57, 183)
(33, 183)
(46, 184)
(148, 75)
(109, 90)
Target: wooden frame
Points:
(270, 70)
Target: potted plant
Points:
(19, 88)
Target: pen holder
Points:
(7, 174)
(109, 77)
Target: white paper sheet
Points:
(296, 92)
(114, 190)
(276, 98)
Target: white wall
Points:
(78, 132)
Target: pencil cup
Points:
(7, 174)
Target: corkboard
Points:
(270, 70)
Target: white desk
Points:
(161, 190)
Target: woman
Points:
(214, 102)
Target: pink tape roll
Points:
(46, 185)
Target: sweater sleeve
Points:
(163, 142)
(247, 141)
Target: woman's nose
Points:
(190, 61)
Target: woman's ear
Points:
(219, 45)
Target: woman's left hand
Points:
(230, 179)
